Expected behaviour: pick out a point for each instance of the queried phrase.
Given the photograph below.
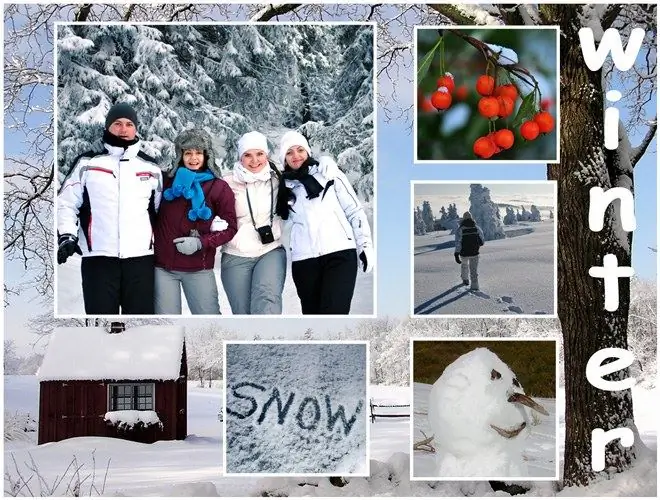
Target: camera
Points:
(266, 234)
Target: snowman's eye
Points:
(494, 375)
(516, 383)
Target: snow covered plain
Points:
(69, 298)
(516, 274)
(193, 467)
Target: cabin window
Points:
(131, 397)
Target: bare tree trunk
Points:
(586, 326)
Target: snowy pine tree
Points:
(418, 222)
(485, 212)
(510, 217)
(427, 216)
(535, 214)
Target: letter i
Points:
(612, 121)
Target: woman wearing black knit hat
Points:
(187, 234)
(329, 228)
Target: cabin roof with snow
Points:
(151, 352)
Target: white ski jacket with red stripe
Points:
(110, 200)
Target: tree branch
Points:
(129, 12)
(639, 151)
(83, 12)
(267, 13)
(464, 14)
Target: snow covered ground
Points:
(296, 408)
(193, 467)
(516, 274)
(69, 298)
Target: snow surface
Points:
(516, 274)
(130, 418)
(193, 467)
(151, 352)
(319, 426)
(69, 298)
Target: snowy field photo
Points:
(511, 273)
(481, 417)
(225, 80)
(296, 408)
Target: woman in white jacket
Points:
(253, 265)
(329, 228)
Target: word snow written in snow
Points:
(599, 200)
(307, 415)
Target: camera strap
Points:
(247, 195)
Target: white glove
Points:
(219, 224)
(187, 245)
(367, 257)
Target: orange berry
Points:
(461, 92)
(484, 147)
(505, 106)
(507, 90)
(441, 100)
(503, 138)
(485, 85)
(529, 130)
(446, 81)
(545, 121)
(488, 107)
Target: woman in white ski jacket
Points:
(253, 266)
(329, 228)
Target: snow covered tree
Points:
(510, 217)
(418, 222)
(427, 216)
(485, 212)
(452, 212)
(523, 216)
(552, 215)
(535, 214)
(443, 217)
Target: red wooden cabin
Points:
(95, 383)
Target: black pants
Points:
(325, 284)
(111, 283)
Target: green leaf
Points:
(426, 61)
(527, 109)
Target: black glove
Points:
(457, 256)
(67, 245)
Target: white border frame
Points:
(467, 183)
(417, 161)
(480, 339)
(365, 407)
(374, 203)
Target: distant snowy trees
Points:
(226, 79)
(16, 364)
(532, 215)
(485, 212)
(510, 217)
(419, 227)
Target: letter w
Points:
(610, 42)
(332, 419)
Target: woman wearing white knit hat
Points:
(329, 228)
(253, 266)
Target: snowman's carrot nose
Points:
(523, 399)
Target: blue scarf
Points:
(188, 183)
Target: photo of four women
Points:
(192, 210)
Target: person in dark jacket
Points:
(469, 238)
(196, 216)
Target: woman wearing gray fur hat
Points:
(187, 234)
(254, 262)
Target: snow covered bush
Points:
(20, 427)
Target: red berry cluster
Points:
(441, 99)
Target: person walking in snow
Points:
(329, 228)
(105, 213)
(469, 238)
(254, 262)
(196, 216)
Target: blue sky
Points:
(394, 207)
